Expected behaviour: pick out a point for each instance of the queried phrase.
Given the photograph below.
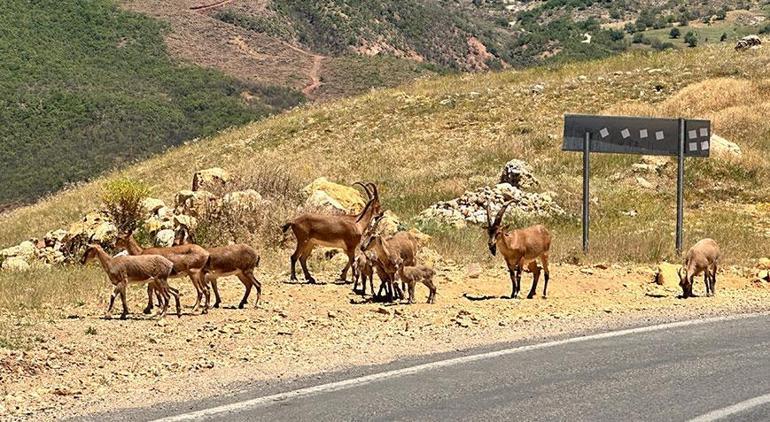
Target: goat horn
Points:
(366, 188)
(489, 217)
(374, 190)
(501, 213)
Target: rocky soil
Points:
(70, 361)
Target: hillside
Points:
(434, 139)
(87, 87)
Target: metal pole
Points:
(680, 189)
(586, 195)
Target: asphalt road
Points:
(672, 373)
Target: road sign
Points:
(636, 135)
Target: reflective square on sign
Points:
(704, 131)
(659, 135)
(643, 133)
(693, 134)
(704, 145)
(693, 146)
(625, 133)
(604, 132)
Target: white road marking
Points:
(341, 385)
(732, 410)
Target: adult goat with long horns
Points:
(334, 231)
(520, 248)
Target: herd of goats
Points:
(392, 258)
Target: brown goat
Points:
(239, 260)
(402, 245)
(412, 274)
(702, 257)
(189, 260)
(363, 269)
(520, 248)
(334, 231)
(135, 269)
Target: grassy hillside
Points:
(436, 138)
(86, 87)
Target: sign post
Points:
(680, 138)
(586, 188)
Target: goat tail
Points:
(257, 264)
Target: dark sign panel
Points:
(636, 135)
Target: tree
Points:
(675, 33)
(617, 35)
(691, 39)
(638, 38)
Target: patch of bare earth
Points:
(71, 361)
(199, 38)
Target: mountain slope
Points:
(436, 138)
(85, 87)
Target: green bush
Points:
(675, 33)
(691, 39)
(122, 200)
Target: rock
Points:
(105, 232)
(389, 224)
(537, 88)
(382, 310)
(247, 200)
(517, 174)
(749, 41)
(194, 202)
(322, 200)
(348, 197)
(15, 263)
(722, 146)
(331, 314)
(165, 238)
(208, 179)
(54, 238)
(587, 271)
(25, 250)
(474, 270)
(154, 224)
(151, 205)
(763, 264)
(186, 221)
(422, 238)
(667, 275)
(642, 182)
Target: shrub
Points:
(723, 38)
(660, 45)
(691, 39)
(675, 33)
(638, 38)
(122, 200)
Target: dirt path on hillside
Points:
(205, 7)
(315, 71)
(70, 361)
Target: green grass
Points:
(710, 34)
(86, 87)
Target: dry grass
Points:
(436, 138)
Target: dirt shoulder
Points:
(69, 362)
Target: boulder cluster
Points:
(747, 42)
(160, 221)
(471, 207)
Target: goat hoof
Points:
(241, 305)
(147, 311)
(107, 316)
(123, 316)
(216, 305)
(530, 296)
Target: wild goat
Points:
(702, 257)
(519, 248)
(402, 245)
(239, 259)
(363, 269)
(335, 231)
(189, 260)
(135, 269)
(411, 275)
